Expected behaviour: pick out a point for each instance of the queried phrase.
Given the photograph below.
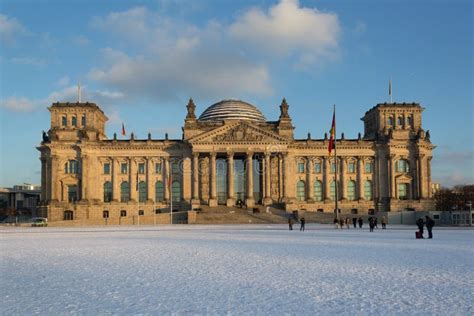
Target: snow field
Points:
(248, 269)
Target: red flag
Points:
(123, 130)
(332, 138)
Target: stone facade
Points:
(223, 160)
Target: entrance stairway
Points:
(258, 215)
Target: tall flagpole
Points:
(336, 162)
(390, 89)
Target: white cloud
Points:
(81, 41)
(288, 29)
(130, 23)
(64, 81)
(20, 104)
(30, 61)
(10, 29)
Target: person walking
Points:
(371, 224)
(290, 223)
(384, 222)
(420, 223)
(375, 222)
(341, 223)
(336, 223)
(354, 222)
(429, 226)
(361, 222)
(348, 223)
(302, 221)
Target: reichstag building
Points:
(232, 154)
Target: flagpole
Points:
(336, 162)
(390, 89)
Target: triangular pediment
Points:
(404, 178)
(238, 131)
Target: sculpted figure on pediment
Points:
(238, 134)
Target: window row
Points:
(142, 189)
(351, 167)
(400, 121)
(318, 191)
(64, 121)
(124, 167)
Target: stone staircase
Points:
(234, 215)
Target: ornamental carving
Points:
(239, 133)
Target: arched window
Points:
(390, 122)
(317, 167)
(403, 166)
(159, 191)
(72, 166)
(142, 191)
(64, 121)
(124, 192)
(107, 191)
(400, 121)
(176, 191)
(300, 166)
(83, 120)
(410, 121)
(300, 191)
(368, 190)
(74, 121)
(318, 190)
(351, 167)
(351, 190)
(332, 190)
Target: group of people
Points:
(429, 222)
(290, 223)
(373, 222)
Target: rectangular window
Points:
(107, 168)
(300, 167)
(174, 167)
(68, 215)
(72, 193)
(333, 167)
(141, 213)
(123, 213)
(317, 167)
(351, 167)
(124, 168)
(402, 191)
(141, 168)
(74, 121)
(83, 120)
(368, 167)
(158, 167)
(105, 214)
(64, 121)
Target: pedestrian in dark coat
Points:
(354, 222)
(341, 223)
(375, 222)
(290, 223)
(420, 223)
(302, 221)
(371, 224)
(429, 226)
(336, 223)
(360, 222)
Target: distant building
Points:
(435, 187)
(21, 199)
(230, 154)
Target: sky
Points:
(142, 60)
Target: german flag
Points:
(332, 132)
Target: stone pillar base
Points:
(267, 201)
(213, 202)
(310, 200)
(250, 202)
(195, 203)
(230, 202)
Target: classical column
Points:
(250, 202)
(166, 174)
(309, 180)
(420, 176)
(150, 187)
(267, 200)
(54, 181)
(360, 184)
(213, 184)
(115, 164)
(376, 179)
(133, 179)
(230, 179)
(391, 167)
(428, 177)
(43, 180)
(195, 179)
(280, 178)
(326, 179)
(343, 185)
(84, 176)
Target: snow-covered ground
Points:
(252, 269)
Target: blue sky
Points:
(142, 60)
